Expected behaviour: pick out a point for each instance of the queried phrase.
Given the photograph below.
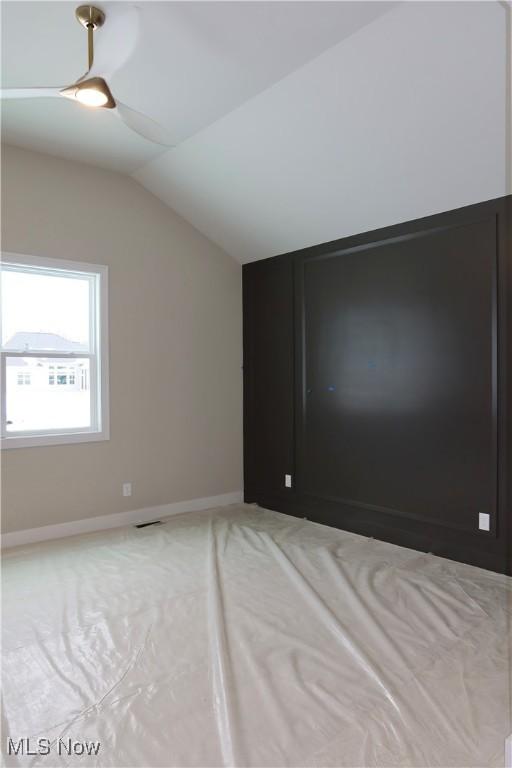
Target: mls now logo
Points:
(45, 747)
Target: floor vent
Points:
(145, 525)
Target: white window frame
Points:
(98, 356)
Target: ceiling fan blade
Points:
(28, 93)
(115, 42)
(143, 125)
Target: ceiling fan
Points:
(92, 90)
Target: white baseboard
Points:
(91, 524)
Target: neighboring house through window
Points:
(54, 357)
(64, 375)
(23, 379)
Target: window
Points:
(23, 379)
(54, 355)
(64, 378)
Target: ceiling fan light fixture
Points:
(91, 97)
(92, 93)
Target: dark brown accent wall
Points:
(377, 371)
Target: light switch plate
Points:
(484, 521)
(287, 481)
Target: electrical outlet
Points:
(127, 489)
(484, 521)
(287, 481)
(508, 752)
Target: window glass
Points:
(45, 312)
(42, 405)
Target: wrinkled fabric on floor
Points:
(243, 637)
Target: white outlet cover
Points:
(288, 481)
(484, 521)
(127, 489)
(508, 752)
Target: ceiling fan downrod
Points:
(91, 18)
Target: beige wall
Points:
(175, 347)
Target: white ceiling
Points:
(294, 122)
(405, 118)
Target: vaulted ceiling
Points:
(293, 123)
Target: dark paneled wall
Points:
(376, 374)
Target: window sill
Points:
(64, 438)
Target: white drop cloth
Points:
(245, 637)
